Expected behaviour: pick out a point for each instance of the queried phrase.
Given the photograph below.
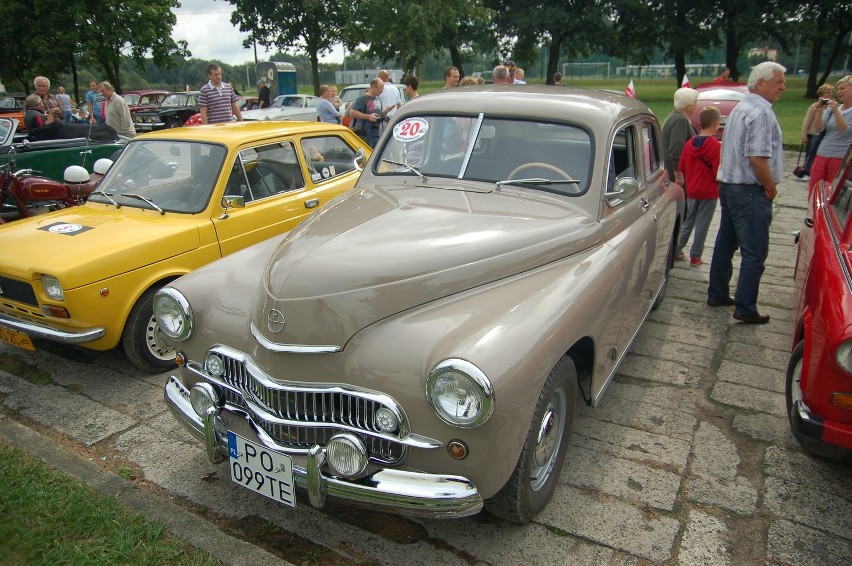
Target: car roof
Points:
(148, 91)
(597, 108)
(241, 132)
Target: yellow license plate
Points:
(16, 339)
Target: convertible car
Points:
(172, 202)
(419, 346)
(819, 374)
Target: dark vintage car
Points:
(819, 375)
(724, 96)
(50, 158)
(173, 111)
(420, 344)
(143, 100)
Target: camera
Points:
(823, 101)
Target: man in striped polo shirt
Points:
(217, 101)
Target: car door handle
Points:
(809, 222)
(86, 151)
(645, 203)
(312, 203)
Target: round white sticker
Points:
(410, 129)
(65, 228)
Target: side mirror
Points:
(360, 159)
(232, 201)
(625, 189)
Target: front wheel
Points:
(143, 341)
(534, 479)
(793, 394)
(173, 123)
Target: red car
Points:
(144, 99)
(724, 96)
(819, 375)
(244, 102)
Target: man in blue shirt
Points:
(95, 102)
(752, 163)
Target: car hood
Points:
(82, 244)
(379, 251)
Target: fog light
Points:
(386, 421)
(347, 454)
(214, 365)
(203, 398)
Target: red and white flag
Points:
(630, 90)
(685, 82)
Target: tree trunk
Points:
(813, 70)
(75, 79)
(732, 49)
(553, 51)
(314, 70)
(456, 59)
(680, 66)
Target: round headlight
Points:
(173, 314)
(844, 356)
(460, 393)
(52, 287)
(347, 454)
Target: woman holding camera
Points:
(810, 131)
(835, 119)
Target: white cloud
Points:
(206, 26)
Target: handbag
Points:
(357, 128)
(799, 171)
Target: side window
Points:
(261, 172)
(622, 159)
(327, 157)
(842, 203)
(651, 144)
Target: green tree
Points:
(822, 25)
(313, 26)
(407, 32)
(569, 27)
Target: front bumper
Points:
(394, 491)
(38, 331)
(813, 426)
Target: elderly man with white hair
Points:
(677, 130)
(751, 166)
(116, 111)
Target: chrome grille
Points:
(324, 409)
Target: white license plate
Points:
(261, 470)
(144, 126)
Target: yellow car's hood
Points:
(84, 244)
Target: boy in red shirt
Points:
(699, 164)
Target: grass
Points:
(52, 518)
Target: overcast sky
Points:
(206, 27)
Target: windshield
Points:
(174, 176)
(178, 99)
(721, 94)
(287, 101)
(549, 156)
(131, 99)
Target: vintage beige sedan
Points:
(420, 344)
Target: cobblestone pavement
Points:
(688, 460)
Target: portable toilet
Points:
(279, 77)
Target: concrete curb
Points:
(196, 530)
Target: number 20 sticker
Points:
(410, 129)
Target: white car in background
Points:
(291, 107)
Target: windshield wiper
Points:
(147, 200)
(411, 168)
(109, 198)
(537, 181)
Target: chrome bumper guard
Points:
(393, 491)
(38, 331)
(805, 422)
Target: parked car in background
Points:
(724, 96)
(12, 107)
(143, 99)
(243, 102)
(351, 93)
(172, 202)
(420, 345)
(292, 107)
(50, 158)
(819, 374)
(172, 112)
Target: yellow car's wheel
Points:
(143, 341)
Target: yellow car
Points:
(173, 201)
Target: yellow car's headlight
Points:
(52, 288)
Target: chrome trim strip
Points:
(38, 331)
(290, 348)
(394, 491)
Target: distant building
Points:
(766, 53)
